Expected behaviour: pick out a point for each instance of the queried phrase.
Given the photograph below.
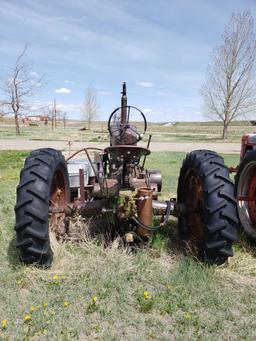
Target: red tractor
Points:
(115, 182)
(245, 185)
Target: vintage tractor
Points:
(115, 182)
(245, 185)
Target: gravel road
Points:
(155, 146)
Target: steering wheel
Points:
(120, 128)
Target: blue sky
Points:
(160, 48)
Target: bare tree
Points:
(229, 91)
(64, 116)
(91, 106)
(18, 87)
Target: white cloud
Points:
(104, 93)
(145, 84)
(71, 107)
(147, 110)
(62, 91)
(67, 81)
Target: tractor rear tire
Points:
(245, 186)
(43, 184)
(208, 217)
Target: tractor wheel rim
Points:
(246, 197)
(194, 201)
(57, 203)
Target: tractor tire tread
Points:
(219, 213)
(32, 205)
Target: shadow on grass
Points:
(245, 244)
(12, 253)
(167, 239)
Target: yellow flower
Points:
(66, 303)
(45, 305)
(27, 318)
(32, 308)
(63, 277)
(94, 299)
(146, 295)
(38, 307)
(4, 324)
(188, 316)
(56, 279)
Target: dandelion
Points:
(45, 305)
(4, 324)
(38, 307)
(94, 299)
(63, 277)
(55, 279)
(66, 304)
(32, 309)
(147, 295)
(27, 318)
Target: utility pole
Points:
(52, 118)
(55, 113)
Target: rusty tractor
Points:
(245, 186)
(114, 181)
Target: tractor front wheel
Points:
(208, 218)
(42, 195)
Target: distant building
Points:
(35, 118)
(169, 124)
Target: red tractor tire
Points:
(43, 182)
(208, 219)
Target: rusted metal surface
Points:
(126, 151)
(90, 208)
(233, 169)
(148, 144)
(117, 180)
(144, 207)
(81, 180)
(82, 150)
(245, 198)
(194, 200)
(252, 203)
(57, 204)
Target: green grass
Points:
(185, 301)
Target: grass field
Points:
(97, 293)
(181, 131)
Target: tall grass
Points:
(96, 293)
